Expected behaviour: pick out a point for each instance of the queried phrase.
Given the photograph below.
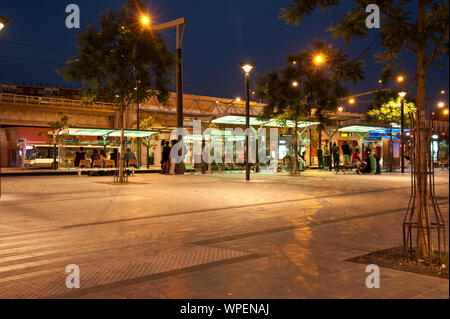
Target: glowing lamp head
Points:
(402, 94)
(400, 78)
(340, 109)
(247, 66)
(319, 59)
(238, 99)
(3, 22)
(351, 101)
(445, 112)
(441, 104)
(295, 84)
(145, 20)
(442, 92)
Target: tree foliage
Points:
(390, 111)
(318, 87)
(122, 61)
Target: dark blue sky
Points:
(219, 34)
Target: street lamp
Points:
(180, 25)
(319, 59)
(295, 84)
(441, 104)
(247, 67)
(402, 119)
(145, 20)
(400, 78)
(351, 101)
(3, 22)
(340, 109)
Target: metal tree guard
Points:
(410, 223)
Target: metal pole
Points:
(247, 124)
(402, 154)
(180, 168)
(138, 139)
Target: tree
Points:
(55, 128)
(390, 113)
(305, 89)
(123, 62)
(423, 33)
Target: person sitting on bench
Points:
(356, 160)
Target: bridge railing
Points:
(51, 101)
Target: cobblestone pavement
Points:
(206, 236)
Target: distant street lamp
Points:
(340, 109)
(402, 120)
(247, 67)
(351, 101)
(400, 78)
(441, 104)
(319, 59)
(3, 22)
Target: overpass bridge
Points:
(23, 110)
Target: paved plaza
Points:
(207, 236)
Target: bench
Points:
(345, 168)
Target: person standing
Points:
(320, 156)
(336, 155)
(115, 156)
(165, 160)
(327, 156)
(79, 156)
(378, 158)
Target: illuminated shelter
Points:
(240, 120)
(363, 131)
(105, 133)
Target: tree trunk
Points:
(121, 163)
(295, 157)
(424, 245)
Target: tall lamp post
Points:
(247, 67)
(402, 121)
(3, 22)
(180, 25)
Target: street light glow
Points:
(441, 104)
(319, 59)
(445, 112)
(145, 20)
(442, 92)
(402, 94)
(400, 78)
(340, 108)
(238, 99)
(247, 67)
(351, 101)
(3, 22)
(295, 84)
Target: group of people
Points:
(101, 155)
(350, 157)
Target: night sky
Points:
(218, 36)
